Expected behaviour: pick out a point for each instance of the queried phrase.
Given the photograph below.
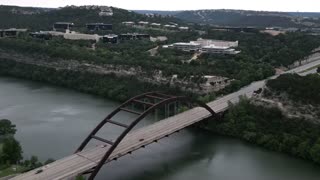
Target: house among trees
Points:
(155, 25)
(134, 36)
(128, 23)
(184, 28)
(62, 26)
(143, 23)
(13, 32)
(98, 26)
(111, 38)
(169, 26)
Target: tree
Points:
(315, 153)
(11, 151)
(7, 128)
(26, 163)
(33, 161)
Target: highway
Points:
(75, 164)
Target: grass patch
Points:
(10, 170)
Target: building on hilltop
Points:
(212, 49)
(134, 36)
(72, 35)
(143, 23)
(12, 32)
(142, 36)
(80, 36)
(98, 26)
(209, 42)
(184, 28)
(168, 26)
(189, 47)
(207, 46)
(111, 38)
(155, 25)
(62, 26)
(128, 23)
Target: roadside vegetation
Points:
(304, 89)
(11, 152)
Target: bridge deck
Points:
(70, 166)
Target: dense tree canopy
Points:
(270, 128)
(6, 127)
(299, 88)
(11, 151)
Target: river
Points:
(52, 122)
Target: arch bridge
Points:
(149, 102)
(89, 160)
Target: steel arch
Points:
(163, 100)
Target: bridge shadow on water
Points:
(164, 158)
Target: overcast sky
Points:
(271, 5)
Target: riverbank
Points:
(269, 128)
(109, 86)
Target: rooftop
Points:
(14, 29)
(111, 36)
(64, 23)
(212, 46)
(97, 24)
(187, 44)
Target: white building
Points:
(128, 23)
(143, 23)
(187, 46)
(212, 49)
(219, 43)
(79, 36)
(168, 26)
(155, 25)
(72, 35)
(184, 28)
(207, 46)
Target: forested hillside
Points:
(238, 18)
(305, 89)
(43, 19)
